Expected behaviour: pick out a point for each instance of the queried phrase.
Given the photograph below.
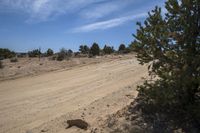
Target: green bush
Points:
(122, 48)
(108, 49)
(34, 53)
(84, 49)
(49, 52)
(60, 57)
(94, 50)
(69, 53)
(171, 45)
(64, 54)
(6, 53)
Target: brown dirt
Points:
(35, 66)
(43, 103)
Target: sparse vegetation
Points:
(34, 53)
(61, 55)
(6, 53)
(64, 54)
(54, 57)
(21, 55)
(89, 88)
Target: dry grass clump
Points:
(14, 59)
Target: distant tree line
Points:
(84, 50)
(95, 50)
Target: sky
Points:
(29, 24)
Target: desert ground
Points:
(40, 95)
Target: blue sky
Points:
(30, 24)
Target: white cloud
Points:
(108, 23)
(99, 11)
(90, 10)
(103, 9)
(43, 10)
(38, 4)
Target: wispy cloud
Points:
(99, 11)
(102, 25)
(43, 10)
(103, 9)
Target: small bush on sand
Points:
(54, 57)
(60, 57)
(62, 54)
(6, 53)
(35, 53)
(14, 59)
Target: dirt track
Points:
(29, 102)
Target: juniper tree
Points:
(62, 54)
(49, 52)
(122, 48)
(35, 53)
(108, 49)
(170, 43)
(84, 49)
(94, 50)
(69, 53)
(6, 53)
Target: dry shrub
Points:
(1, 64)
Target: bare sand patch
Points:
(90, 92)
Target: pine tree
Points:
(49, 52)
(171, 44)
(122, 48)
(35, 53)
(6, 53)
(108, 49)
(95, 50)
(84, 49)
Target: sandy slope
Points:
(30, 104)
(33, 66)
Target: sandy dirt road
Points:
(29, 102)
